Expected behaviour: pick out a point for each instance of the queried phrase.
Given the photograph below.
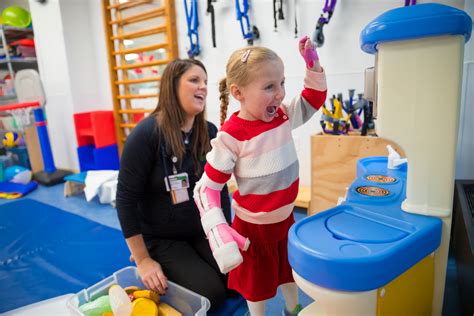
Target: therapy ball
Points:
(17, 174)
(11, 139)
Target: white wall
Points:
(55, 76)
(341, 56)
(86, 55)
(8, 3)
(78, 79)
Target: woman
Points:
(167, 150)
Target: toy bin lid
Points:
(412, 22)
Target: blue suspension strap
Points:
(193, 25)
(328, 10)
(249, 33)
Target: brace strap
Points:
(212, 218)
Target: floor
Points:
(106, 215)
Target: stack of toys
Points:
(15, 173)
(334, 122)
(97, 145)
(131, 301)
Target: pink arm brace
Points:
(223, 239)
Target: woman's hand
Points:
(152, 275)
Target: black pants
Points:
(191, 264)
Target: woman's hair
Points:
(241, 68)
(170, 115)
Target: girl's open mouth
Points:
(271, 110)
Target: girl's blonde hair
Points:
(241, 69)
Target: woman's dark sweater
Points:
(143, 204)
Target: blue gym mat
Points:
(46, 252)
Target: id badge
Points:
(178, 185)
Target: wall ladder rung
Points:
(128, 5)
(141, 33)
(137, 96)
(135, 111)
(128, 125)
(147, 15)
(140, 49)
(137, 81)
(143, 65)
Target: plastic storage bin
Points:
(184, 300)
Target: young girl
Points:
(256, 145)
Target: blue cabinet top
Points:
(412, 22)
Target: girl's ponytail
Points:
(224, 97)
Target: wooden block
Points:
(34, 149)
(231, 186)
(304, 197)
(72, 188)
(333, 165)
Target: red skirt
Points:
(265, 264)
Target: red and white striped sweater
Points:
(262, 157)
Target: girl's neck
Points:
(245, 115)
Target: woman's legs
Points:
(201, 245)
(184, 265)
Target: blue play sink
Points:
(368, 240)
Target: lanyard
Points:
(177, 184)
(174, 160)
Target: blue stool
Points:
(74, 183)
